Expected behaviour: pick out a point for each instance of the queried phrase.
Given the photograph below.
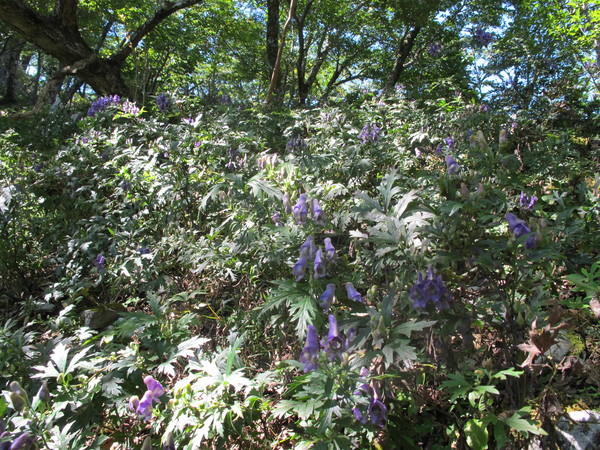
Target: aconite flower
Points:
(519, 228)
(299, 268)
(300, 210)
(452, 165)
(353, 293)
(319, 269)
(430, 289)
(327, 297)
(329, 249)
(318, 214)
(310, 353)
(334, 346)
(99, 262)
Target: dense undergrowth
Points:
(375, 275)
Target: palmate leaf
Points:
(388, 190)
(184, 350)
(303, 310)
(260, 188)
(407, 328)
(295, 300)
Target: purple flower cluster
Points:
(430, 289)
(452, 165)
(236, 162)
(143, 407)
(334, 345)
(310, 252)
(434, 49)
(100, 103)
(519, 228)
(24, 441)
(483, 37)
(450, 142)
(130, 108)
(301, 210)
(326, 298)
(295, 144)
(526, 201)
(370, 133)
(375, 412)
(163, 102)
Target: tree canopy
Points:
(225, 47)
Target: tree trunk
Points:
(272, 32)
(276, 73)
(58, 35)
(404, 49)
(11, 57)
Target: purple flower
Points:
(516, 225)
(418, 153)
(353, 293)
(143, 250)
(130, 108)
(526, 201)
(334, 345)
(163, 102)
(300, 210)
(276, 217)
(484, 108)
(450, 142)
(377, 412)
(369, 133)
(327, 297)
(319, 269)
(99, 262)
(519, 228)
(452, 165)
(100, 103)
(430, 289)
(299, 268)
(295, 143)
(125, 185)
(25, 440)
(329, 249)
(154, 386)
(309, 248)
(318, 214)
(310, 352)
(38, 168)
(434, 49)
(359, 415)
(144, 407)
(483, 37)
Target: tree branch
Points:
(66, 12)
(163, 12)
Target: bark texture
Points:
(58, 35)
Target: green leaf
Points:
(477, 434)
(523, 426)
(407, 328)
(260, 188)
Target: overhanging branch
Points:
(161, 14)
